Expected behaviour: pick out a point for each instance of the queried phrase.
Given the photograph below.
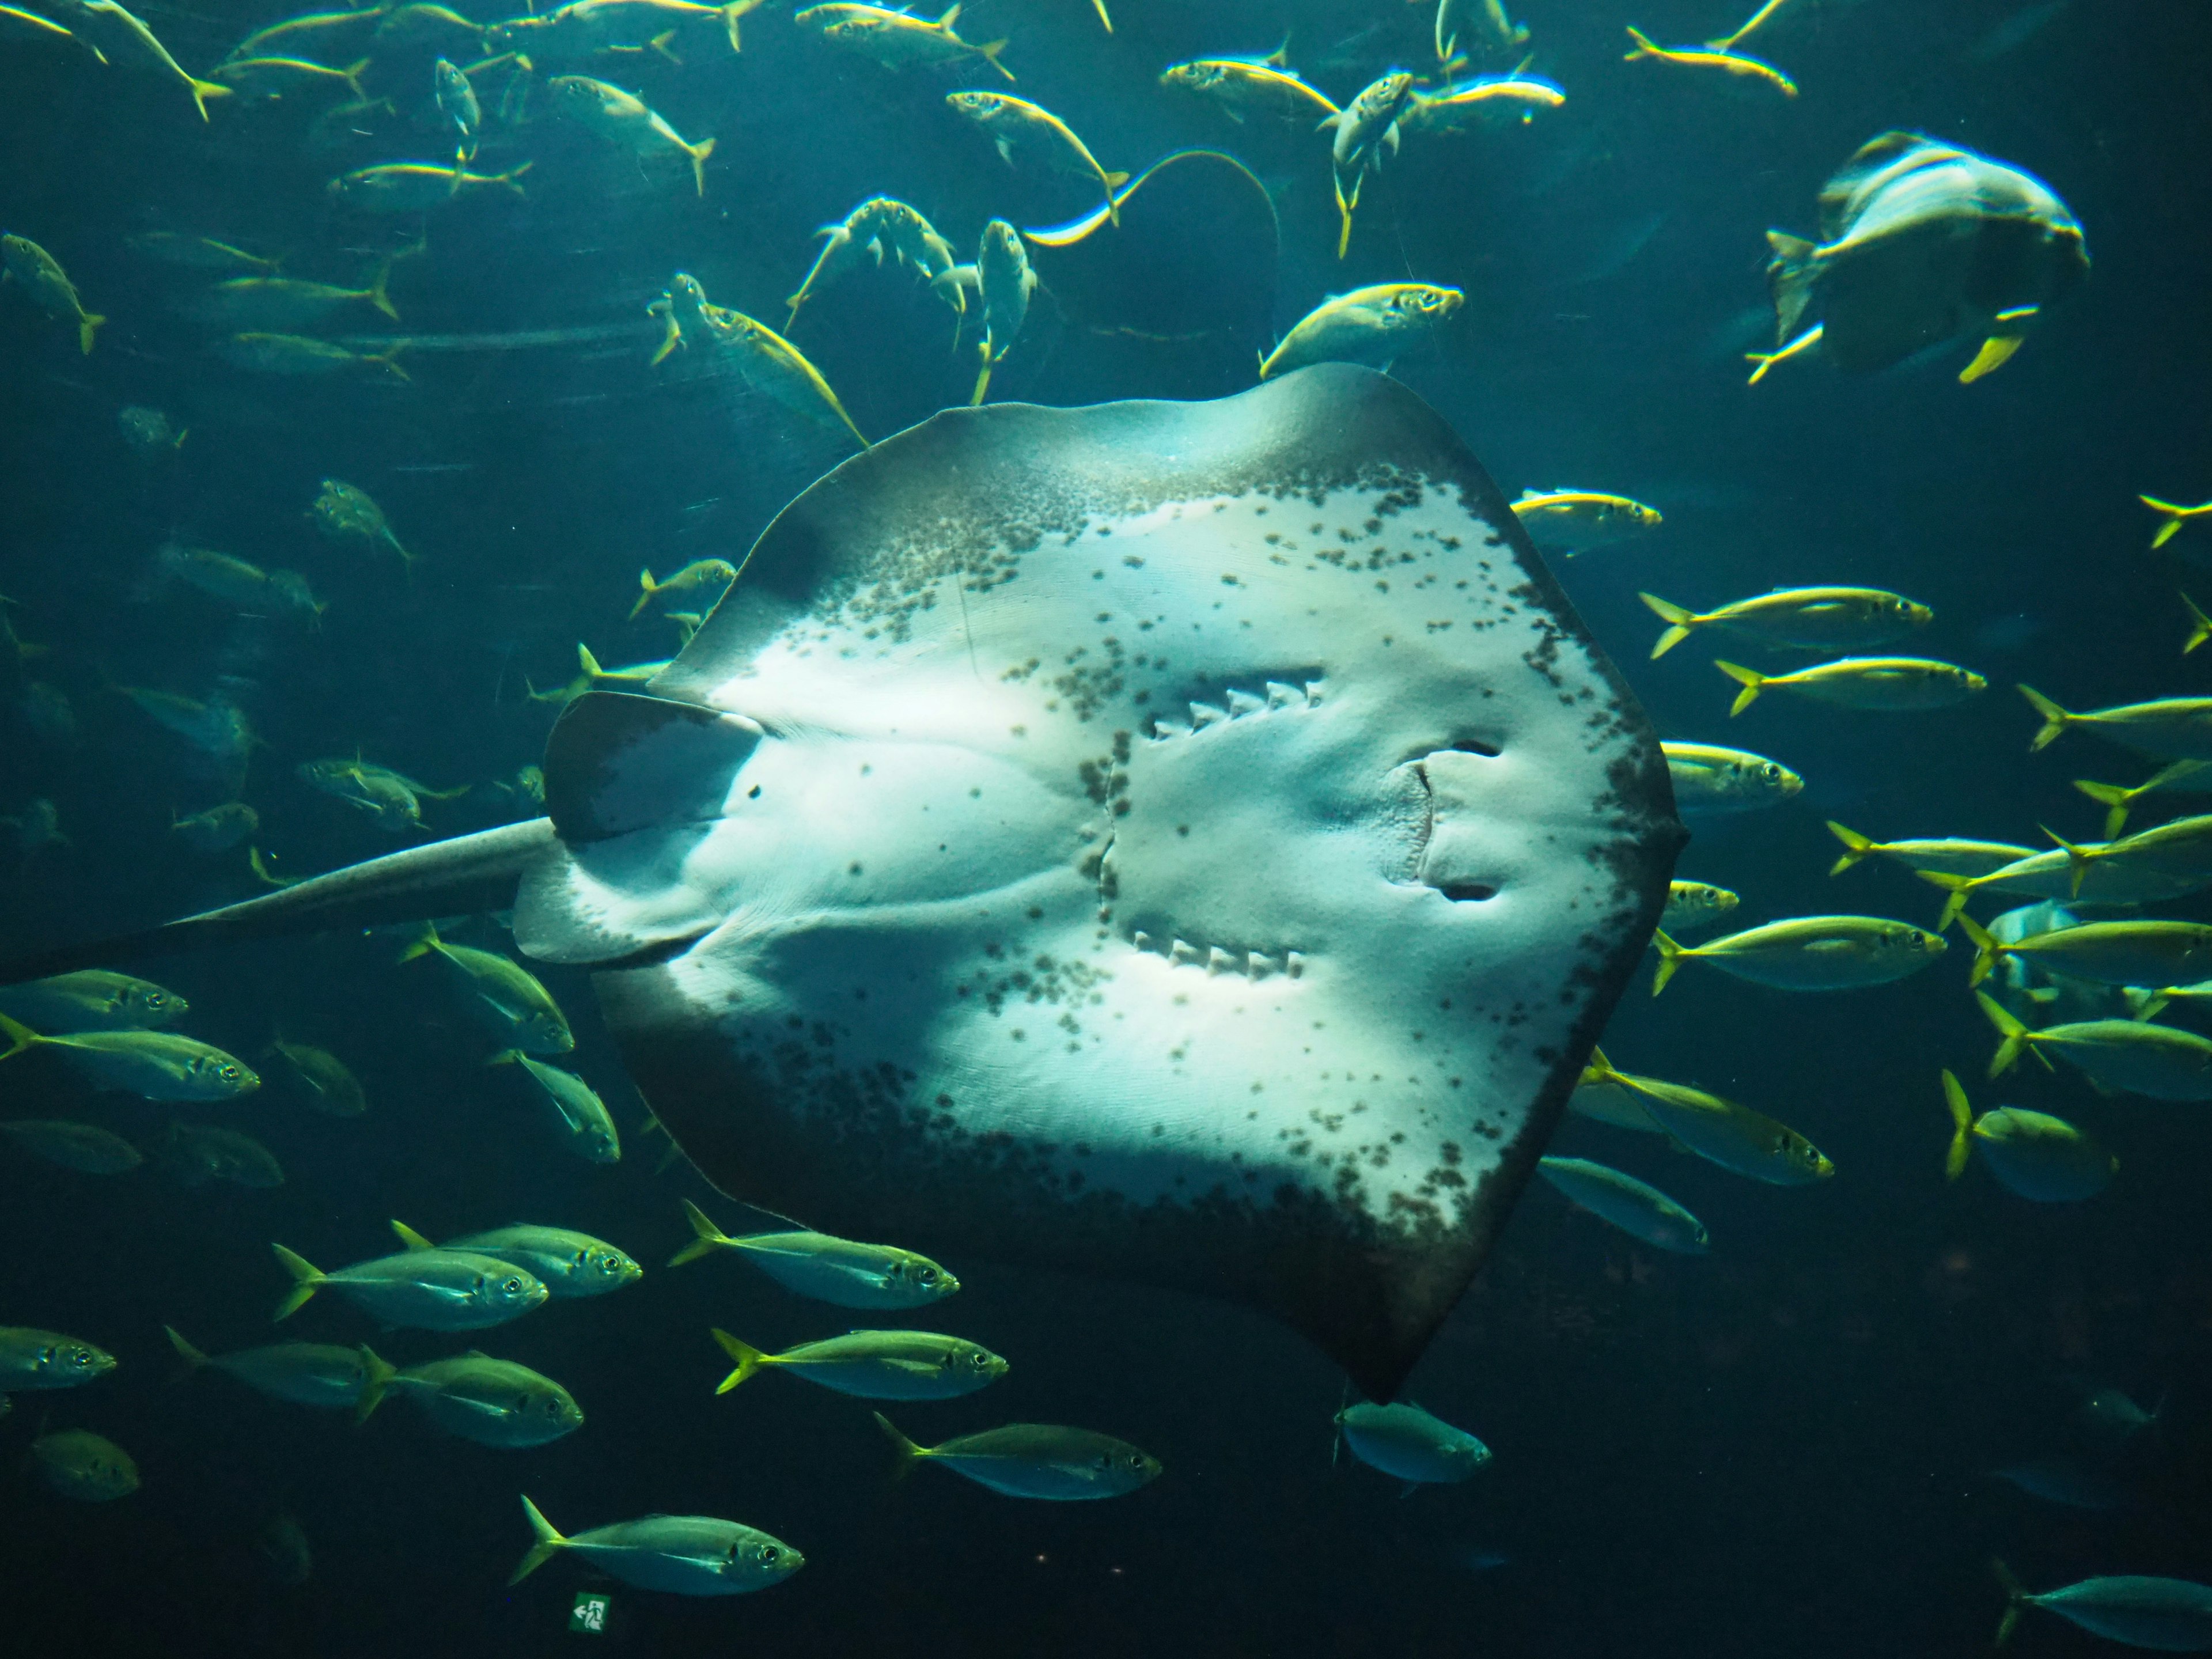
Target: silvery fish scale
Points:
(1195, 844)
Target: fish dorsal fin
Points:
(476, 1353)
(950, 18)
(410, 1238)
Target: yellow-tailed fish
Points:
(2171, 728)
(331, 1085)
(2034, 1154)
(1952, 855)
(198, 1153)
(93, 1000)
(346, 512)
(273, 77)
(568, 1264)
(2200, 625)
(506, 997)
(1017, 126)
(124, 40)
(2077, 871)
(1804, 345)
(429, 25)
(434, 1290)
(583, 27)
(1695, 904)
(34, 1360)
(1035, 1459)
(325, 27)
(416, 186)
(1809, 953)
(456, 98)
(717, 574)
(895, 1364)
(1365, 130)
(1259, 85)
(1803, 618)
(1710, 780)
(2106, 952)
(1571, 521)
(1640, 1211)
(2179, 851)
(1610, 1097)
(767, 362)
(2123, 1056)
(593, 676)
(300, 354)
(897, 39)
(587, 1128)
(1488, 98)
(877, 228)
(623, 118)
(1720, 1131)
(680, 1554)
(46, 285)
(155, 1065)
(840, 1271)
(88, 1468)
(172, 247)
(1372, 325)
(1004, 283)
(316, 1374)
(15, 17)
(2119, 799)
(2172, 517)
(1747, 74)
(85, 1147)
(282, 303)
(1887, 684)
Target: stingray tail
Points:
(707, 1237)
(1962, 1126)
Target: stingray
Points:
(1194, 843)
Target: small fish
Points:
(2031, 1154)
(149, 431)
(528, 783)
(1890, 684)
(1477, 28)
(623, 118)
(424, 24)
(392, 799)
(201, 1152)
(1035, 1459)
(77, 1463)
(457, 102)
(324, 25)
(216, 829)
(1257, 85)
(834, 1270)
(681, 1554)
(156, 1065)
(1695, 904)
(594, 678)
(2077, 1482)
(1810, 953)
(506, 997)
(2172, 517)
(2177, 854)
(587, 1127)
(218, 728)
(896, 39)
(1571, 521)
(2104, 952)
(1004, 283)
(1365, 129)
(282, 1543)
(416, 186)
(332, 1088)
(585, 28)
(32, 1359)
(434, 1290)
(283, 305)
(300, 354)
(172, 247)
(123, 40)
(93, 1000)
(1810, 618)
(273, 77)
(1710, 780)
(767, 362)
(878, 228)
(47, 286)
(2172, 1615)
(875, 1365)
(1372, 326)
(2170, 728)
(247, 587)
(318, 1373)
(37, 826)
(345, 512)
(494, 1402)
(1639, 1210)
(1747, 74)
(1016, 125)
(1739, 1140)
(568, 1264)
(1950, 856)
(2122, 1056)
(2080, 871)
(1487, 100)
(717, 574)
(1402, 1440)
(84, 1147)
(2113, 1420)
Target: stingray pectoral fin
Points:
(447, 878)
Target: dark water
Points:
(1784, 1446)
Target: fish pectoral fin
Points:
(1996, 351)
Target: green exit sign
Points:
(588, 1612)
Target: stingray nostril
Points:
(1478, 746)
(1468, 892)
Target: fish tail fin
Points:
(587, 662)
(1996, 351)
(408, 1237)
(1751, 679)
(2114, 797)
(1791, 274)
(425, 941)
(2016, 1594)
(1670, 959)
(982, 377)
(203, 90)
(388, 360)
(2171, 519)
(307, 1279)
(20, 1036)
(908, 1453)
(548, 1540)
(699, 153)
(1643, 47)
(1679, 623)
(731, 13)
(990, 50)
(644, 580)
(377, 1373)
(2078, 859)
(1962, 1125)
(192, 1357)
(1986, 948)
(659, 43)
(707, 1237)
(1344, 210)
(351, 74)
(750, 1359)
(1598, 1063)
(2055, 719)
(378, 295)
(85, 326)
(508, 178)
(2200, 626)
(1856, 846)
(1103, 17)
(2013, 1036)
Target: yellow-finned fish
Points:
(16, 17)
(275, 303)
(2170, 728)
(2126, 1056)
(1035, 1459)
(1261, 85)
(1609, 1096)
(47, 286)
(172, 247)
(1739, 1140)
(274, 77)
(897, 39)
(1952, 855)
(2034, 1154)
(623, 118)
(1695, 904)
(878, 228)
(840, 1271)
(2172, 517)
(769, 362)
(1747, 74)
(1372, 325)
(330, 1085)
(1488, 98)
(93, 1000)
(85, 1147)
(1571, 521)
(153, 1065)
(897, 1364)
(1004, 283)
(1709, 779)
(587, 1127)
(1016, 125)
(1477, 28)
(423, 24)
(1887, 684)
(1365, 130)
(302, 354)
(591, 677)
(2104, 952)
(1642, 1211)
(583, 27)
(506, 997)
(1802, 618)
(2119, 799)
(200, 1153)
(416, 186)
(717, 574)
(324, 25)
(124, 40)
(2082, 871)
(1810, 953)
(346, 512)
(89, 1468)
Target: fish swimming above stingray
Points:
(1193, 843)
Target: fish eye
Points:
(512, 1287)
(769, 1555)
(1771, 772)
(926, 1275)
(1136, 1460)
